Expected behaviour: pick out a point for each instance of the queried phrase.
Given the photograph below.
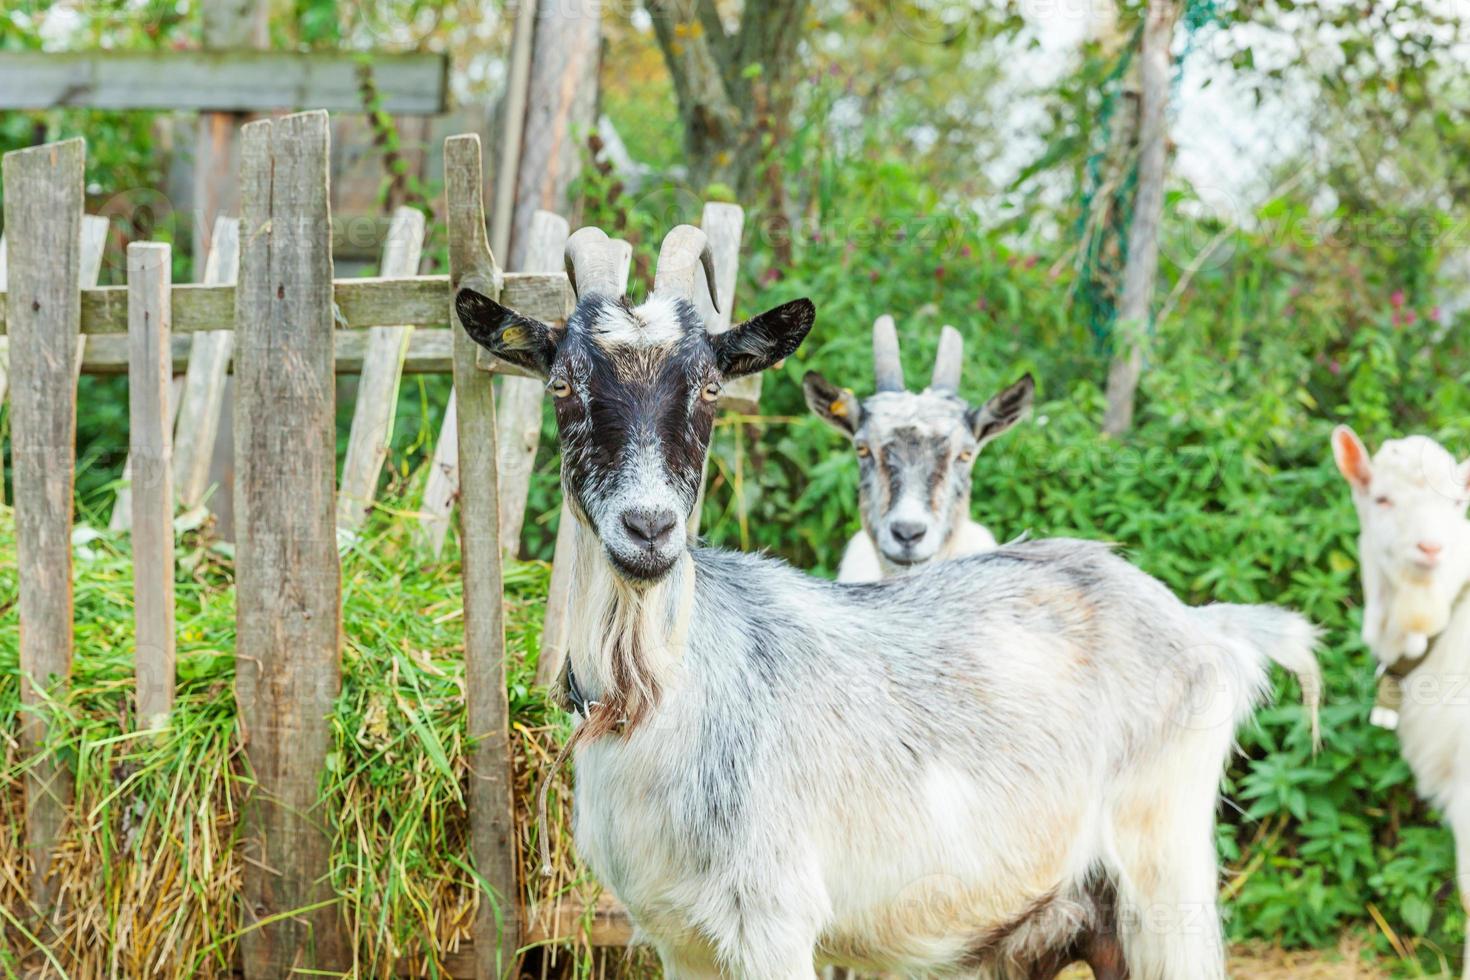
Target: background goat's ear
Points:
(836, 406)
(1002, 411)
(518, 339)
(763, 340)
(1352, 457)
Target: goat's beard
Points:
(1421, 605)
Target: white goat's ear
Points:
(836, 406)
(1352, 457)
(1002, 411)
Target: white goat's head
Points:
(635, 388)
(1411, 497)
(916, 451)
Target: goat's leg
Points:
(1167, 876)
(689, 962)
(1459, 817)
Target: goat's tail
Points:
(1283, 636)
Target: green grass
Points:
(148, 865)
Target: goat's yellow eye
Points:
(560, 388)
(863, 450)
(710, 392)
(966, 456)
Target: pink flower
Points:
(1396, 300)
(1335, 367)
(939, 272)
(1030, 261)
(966, 251)
(981, 304)
(1435, 314)
(770, 276)
(1410, 317)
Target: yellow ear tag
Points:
(838, 407)
(512, 336)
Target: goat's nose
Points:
(650, 528)
(1430, 549)
(908, 532)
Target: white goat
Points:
(916, 453)
(930, 775)
(1414, 548)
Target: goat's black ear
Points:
(761, 341)
(1002, 411)
(518, 339)
(836, 406)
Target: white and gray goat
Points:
(934, 775)
(916, 454)
(1414, 550)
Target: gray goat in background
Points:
(929, 775)
(916, 453)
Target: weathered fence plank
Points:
(518, 408)
(205, 380)
(219, 81)
(376, 406)
(430, 351)
(559, 592)
(441, 489)
(366, 302)
(43, 219)
(93, 242)
(288, 580)
(201, 417)
(150, 442)
(492, 801)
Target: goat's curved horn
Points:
(948, 361)
(887, 368)
(684, 251)
(592, 263)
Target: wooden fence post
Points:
(442, 486)
(518, 407)
(150, 443)
(376, 405)
(203, 396)
(491, 800)
(288, 580)
(93, 242)
(43, 220)
(559, 592)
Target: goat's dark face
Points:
(916, 454)
(635, 390)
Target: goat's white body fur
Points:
(918, 775)
(860, 561)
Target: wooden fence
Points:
(282, 327)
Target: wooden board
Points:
(43, 222)
(205, 384)
(150, 445)
(93, 242)
(518, 408)
(288, 580)
(441, 489)
(493, 842)
(220, 81)
(430, 351)
(360, 303)
(376, 405)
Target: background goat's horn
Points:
(887, 368)
(596, 263)
(684, 252)
(948, 361)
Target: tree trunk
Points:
(561, 110)
(1130, 336)
(718, 75)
